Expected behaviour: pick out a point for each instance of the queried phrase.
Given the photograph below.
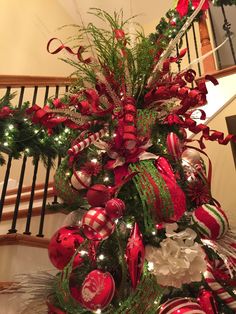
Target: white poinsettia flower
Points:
(179, 260)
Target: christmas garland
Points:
(20, 135)
(174, 19)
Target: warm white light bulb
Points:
(82, 253)
(129, 225)
(150, 266)
(101, 257)
(94, 160)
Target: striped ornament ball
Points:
(180, 306)
(211, 221)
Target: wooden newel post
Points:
(209, 62)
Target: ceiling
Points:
(149, 11)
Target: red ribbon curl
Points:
(79, 52)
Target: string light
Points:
(101, 257)
(5, 144)
(99, 311)
(10, 126)
(106, 179)
(94, 160)
(82, 253)
(150, 266)
(129, 225)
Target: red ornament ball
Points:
(180, 306)
(115, 208)
(97, 225)
(211, 221)
(98, 195)
(63, 245)
(96, 292)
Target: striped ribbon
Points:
(218, 289)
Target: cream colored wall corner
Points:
(25, 28)
(224, 172)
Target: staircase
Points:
(25, 224)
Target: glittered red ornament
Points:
(98, 195)
(96, 291)
(135, 255)
(181, 306)
(207, 301)
(63, 245)
(173, 22)
(97, 225)
(115, 208)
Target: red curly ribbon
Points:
(207, 133)
(129, 124)
(79, 52)
(93, 100)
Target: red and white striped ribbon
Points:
(74, 150)
(218, 289)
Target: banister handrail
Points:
(31, 81)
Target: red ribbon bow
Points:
(182, 6)
(5, 112)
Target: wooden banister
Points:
(31, 81)
(22, 239)
(209, 64)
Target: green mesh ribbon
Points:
(145, 299)
(62, 185)
(145, 120)
(154, 194)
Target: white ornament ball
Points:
(192, 156)
(80, 176)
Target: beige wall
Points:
(224, 172)
(25, 28)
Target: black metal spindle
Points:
(215, 41)
(31, 201)
(18, 196)
(8, 91)
(4, 188)
(55, 196)
(46, 95)
(188, 50)
(45, 193)
(196, 49)
(177, 53)
(35, 95)
(67, 88)
(57, 92)
(22, 91)
(226, 28)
